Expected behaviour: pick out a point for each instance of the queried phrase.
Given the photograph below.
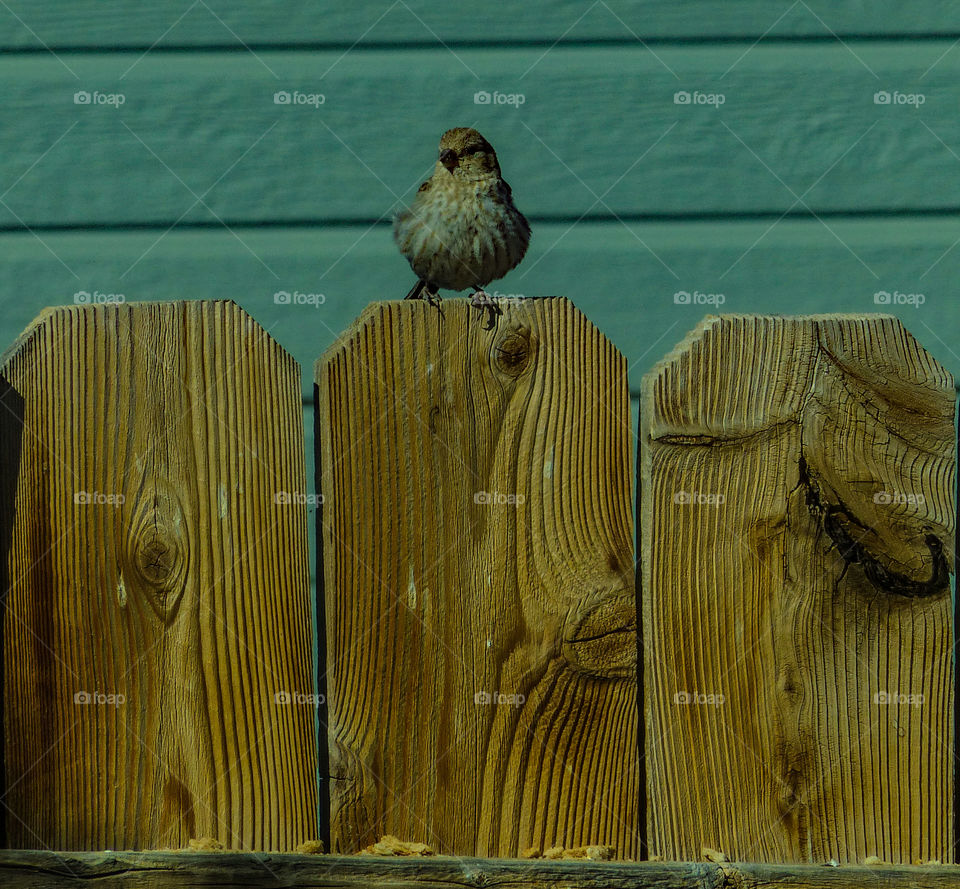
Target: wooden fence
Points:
(478, 615)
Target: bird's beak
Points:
(448, 157)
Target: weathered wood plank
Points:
(599, 132)
(147, 621)
(159, 870)
(478, 580)
(797, 530)
(168, 24)
(606, 267)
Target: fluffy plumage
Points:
(462, 229)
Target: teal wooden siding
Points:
(804, 191)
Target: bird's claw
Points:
(423, 290)
(483, 301)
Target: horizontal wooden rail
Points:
(152, 870)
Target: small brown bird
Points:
(462, 230)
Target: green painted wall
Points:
(803, 191)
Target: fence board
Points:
(797, 626)
(169, 24)
(437, 591)
(143, 449)
(598, 134)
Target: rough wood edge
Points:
(708, 321)
(649, 380)
(45, 315)
(22, 868)
(351, 330)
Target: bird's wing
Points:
(404, 214)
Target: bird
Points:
(462, 229)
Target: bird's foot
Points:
(416, 292)
(423, 290)
(482, 300)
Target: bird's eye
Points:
(473, 149)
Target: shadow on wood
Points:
(11, 435)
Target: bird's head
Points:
(464, 153)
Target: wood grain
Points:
(599, 132)
(157, 585)
(797, 627)
(476, 542)
(170, 25)
(158, 870)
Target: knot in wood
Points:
(512, 353)
(157, 552)
(156, 556)
(837, 521)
